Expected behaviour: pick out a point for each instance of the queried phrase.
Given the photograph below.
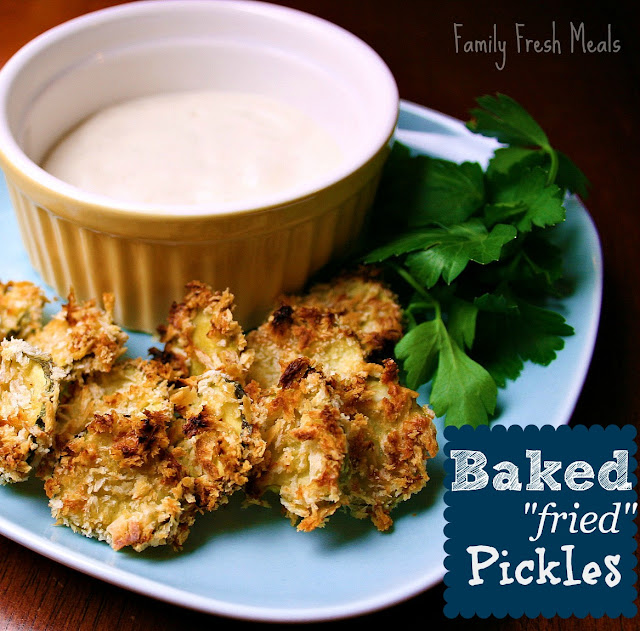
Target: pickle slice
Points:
(116, 481)
(213, 436)
(300, 419)
(21, 309)
(389, 437)
(201, 334)
(132, 385)
(29, 394)
(82, 338)
(113, 477)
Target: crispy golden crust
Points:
(213, 437)
(131, 386)
(21, 309)
(300, 420)
(361, 303)
(201, 334)
(199, 429)
(29, 391)
(291, 332)
(390, 439)
(385, 439)
(82, 338)
(114, 476)
(389, 436)
(118, 482)
(156, 445)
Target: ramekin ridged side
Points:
(145, 276)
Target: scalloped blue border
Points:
(628, 433)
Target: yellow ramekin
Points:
(144, 254)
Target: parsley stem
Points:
(414, 283)
(553, 167)
(512, 266)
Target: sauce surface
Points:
(193, 148)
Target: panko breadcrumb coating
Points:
(201, 334)
(390, 439)
(114, 477)
(133, 385)
(293, 332)
(205, 446)
(389, 435)
(21, 309)
(82, 338)
(213, 436)
(29, 391)
(301, 421)
(118, 482)
(363, 304)
(201, 443)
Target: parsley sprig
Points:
(470, 253)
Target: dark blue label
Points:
(540, 521)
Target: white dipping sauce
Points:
(194, 148)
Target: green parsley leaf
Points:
(462, 390)
(496, 303)
(471, 328)
(568, 176)
(450, 192)
(506, 158)
(526, 200)
(571, 177)
(538, 333)
(418, 350)
(540, 268)
(407, 242)
(417, 190)
(501, 117)
(518, 333)
(532, 268)
(447, 251)
(461, 323)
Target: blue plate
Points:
(250, 563)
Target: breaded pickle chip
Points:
(293, 332)
(362, 303)
(114, 477)
(29, 391)
(131, 386)
(21, 309)
(201, 334)
(308, 406)
(213, 438)
(82, 338)
(389, 436)
(300, 420)
(390, 439)
(197, 449)
(118, 482)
